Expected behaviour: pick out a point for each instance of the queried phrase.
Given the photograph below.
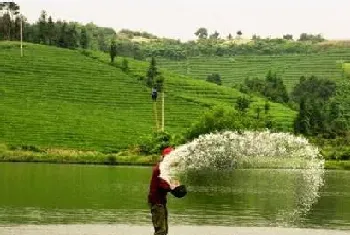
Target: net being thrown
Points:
(229, 150)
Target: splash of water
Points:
(246, 150)
(250, 149)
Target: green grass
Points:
(337, 165)
(234, 70)
(58, 98)
(202, 92)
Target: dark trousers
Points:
(160, 219)
(154, 96)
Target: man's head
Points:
(166, 151)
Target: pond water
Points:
(44, 196)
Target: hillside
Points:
(60, 98)
(234, 70)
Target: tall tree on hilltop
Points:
(239, 34)
(43, 32)
(214, 36)
(62, 41)
(8, 10)
(51, 31)
(202, 33)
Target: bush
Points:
(125, 65)
(220, 119)
(155, 143)
(214, 78)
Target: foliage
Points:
(272, 88)
(220, 119)
(242, 104)
(320, 112)
(113, 51)
(155, 143)
(313, 88)
(125, 65)
(214, 78)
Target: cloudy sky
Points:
(179, 19)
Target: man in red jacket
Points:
(157, 198)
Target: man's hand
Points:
(174, 184)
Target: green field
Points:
(58, 98)
(234, 70)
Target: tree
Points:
(202, 33)
(288, 37)
(43, 32)
(214, 78)
(83, 38)
(72, 37)
(255, 37)
(62, 41)
(239, 34)
(152, 73)
(302, 120)
(113, 51)
(9, 11)
(242, 104)
(258, 111)
(229, 37)
(267, 107)
(214, 36)
(125, 65)
(275, 89)
(314, 88)
(51, 31)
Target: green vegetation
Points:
(97, 96)
(58, 98)
(290, 67)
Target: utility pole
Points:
(21, 35)
(163, 109)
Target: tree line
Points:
(74, 35)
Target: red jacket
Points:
(158, 188)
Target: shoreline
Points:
(120, 229)
(123, 158)
(329, 164)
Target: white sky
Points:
(179, 19)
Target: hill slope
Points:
(234, 70)
(60, 98)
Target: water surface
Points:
(43, 194)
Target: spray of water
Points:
(250, 149)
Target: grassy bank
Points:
(60, 156)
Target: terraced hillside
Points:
(60, 98)
(201, 92)
(290, 67)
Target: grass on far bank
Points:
(65, 156)
(62, 156)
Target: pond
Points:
(76, 195)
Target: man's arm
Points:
(164, 185)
